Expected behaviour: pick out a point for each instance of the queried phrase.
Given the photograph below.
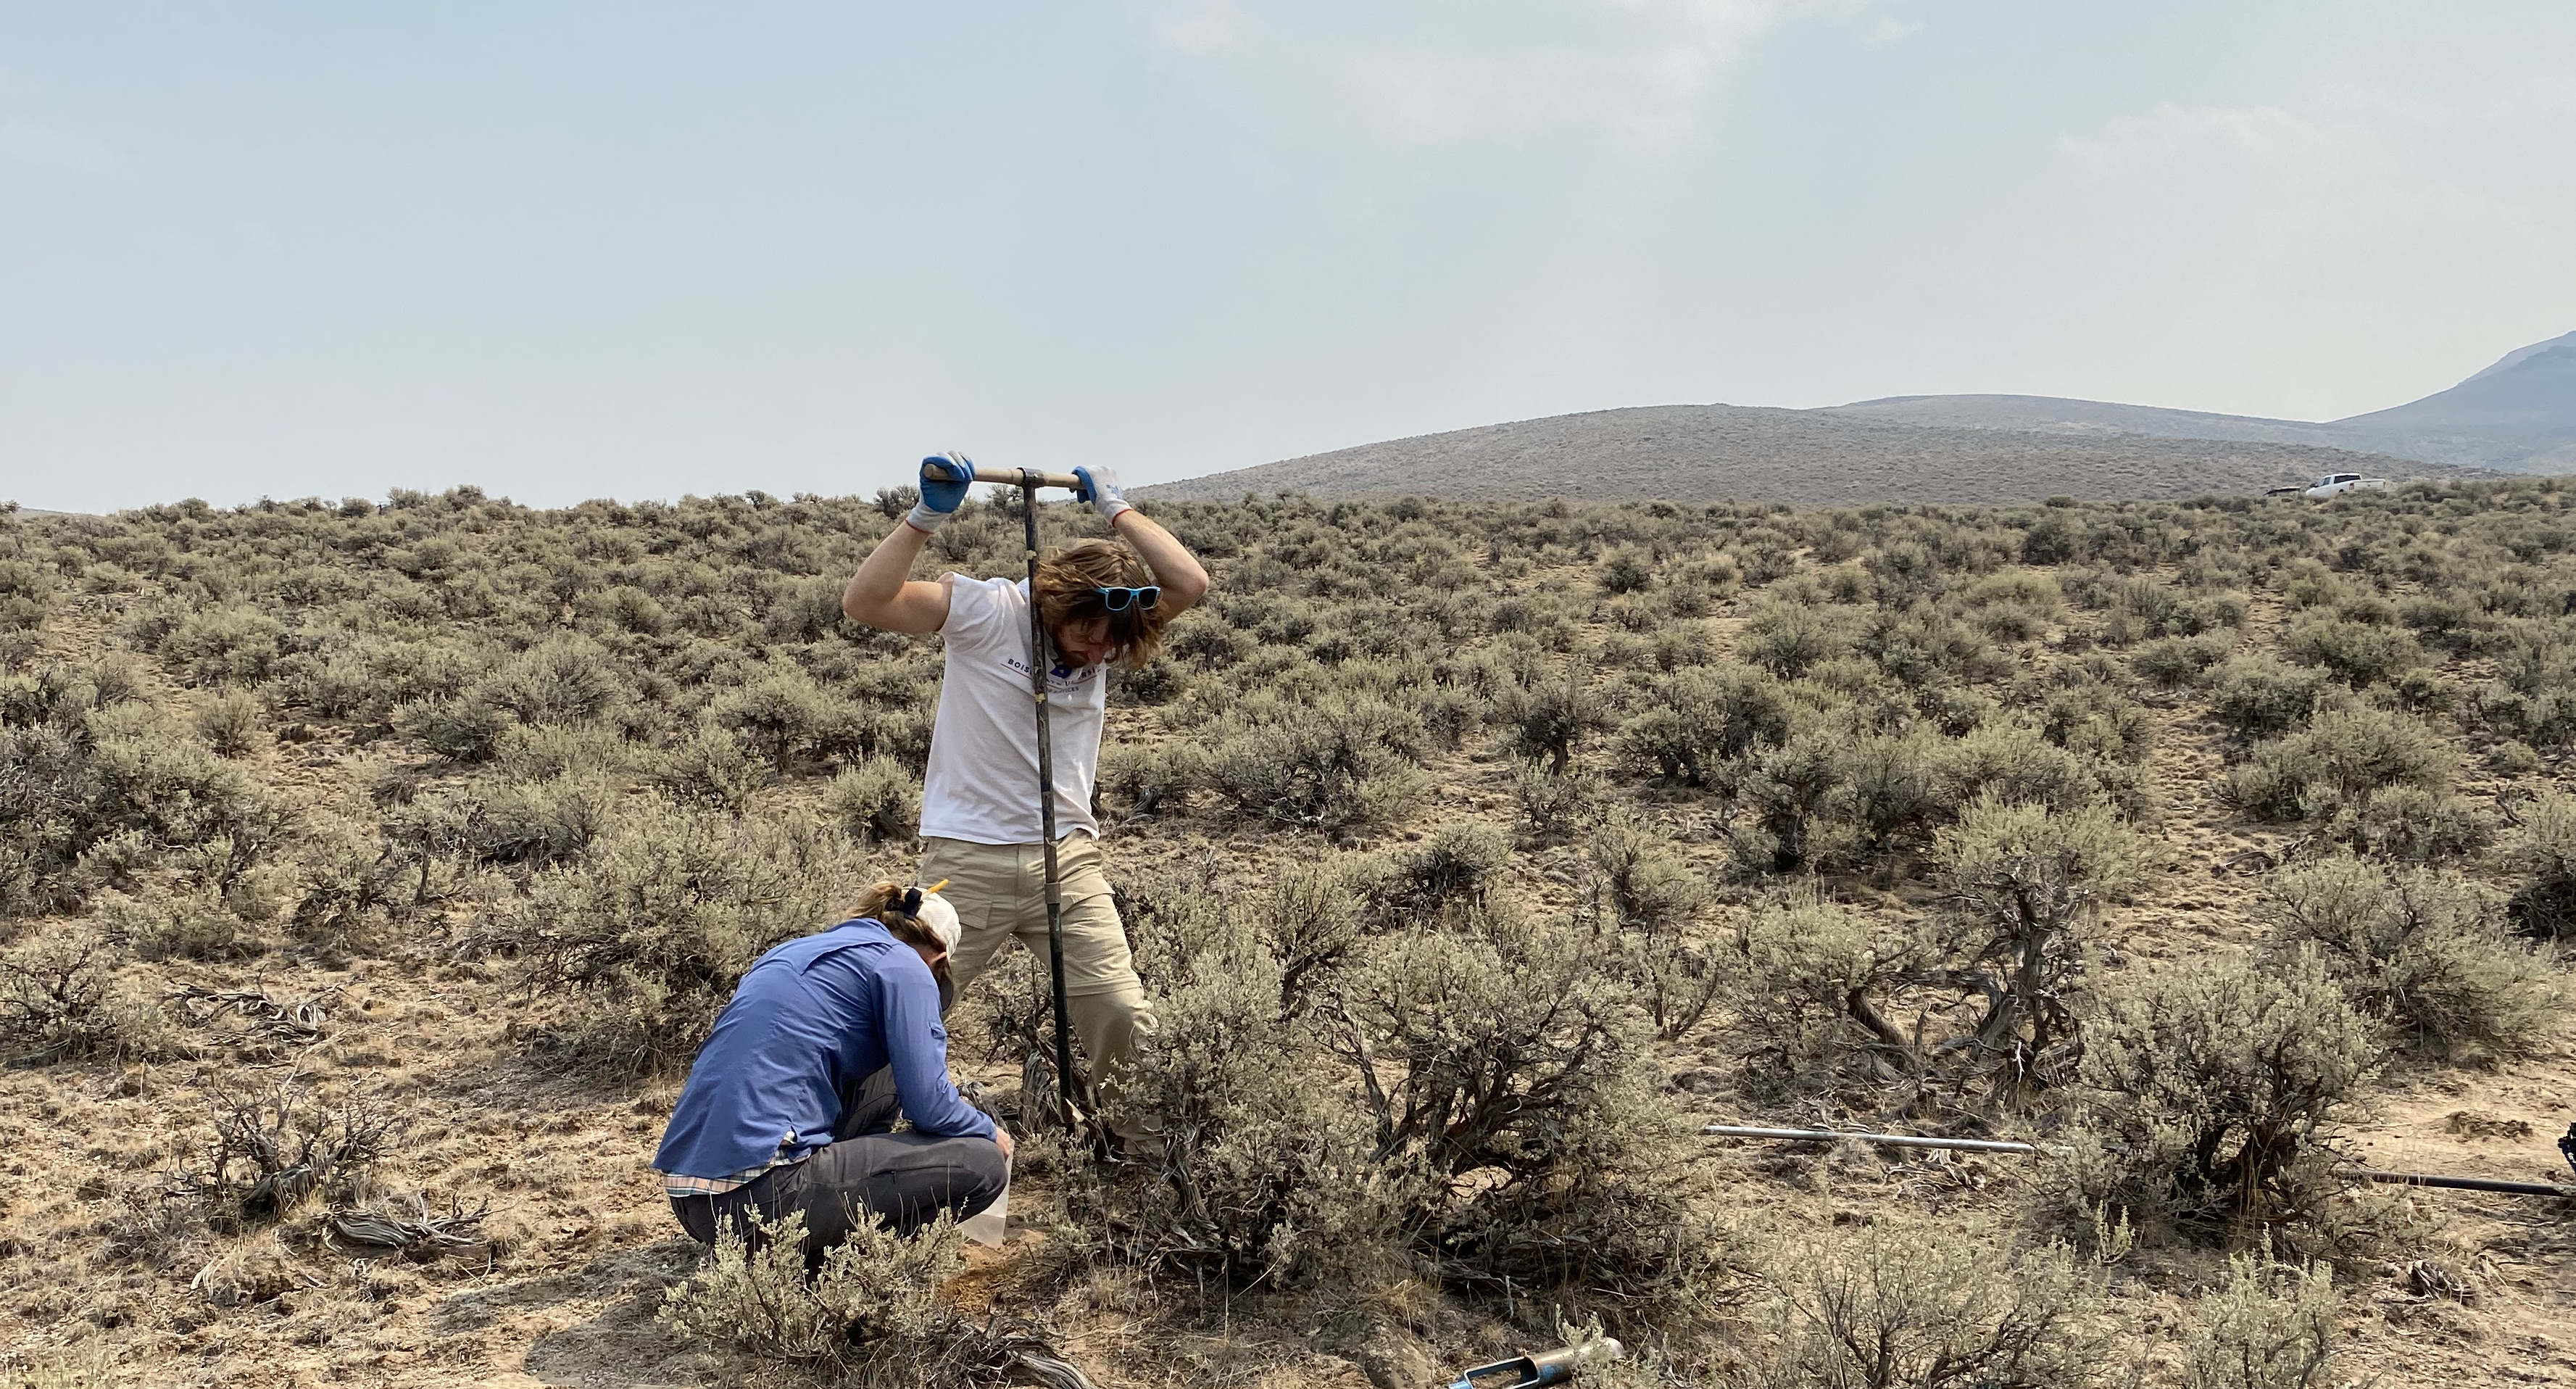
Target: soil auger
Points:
(1070, 1093)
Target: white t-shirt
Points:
(982, 784)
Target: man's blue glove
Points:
(944, 480)
(1100, 488)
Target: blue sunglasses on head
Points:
(1118, 600)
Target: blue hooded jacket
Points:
(811, 1019)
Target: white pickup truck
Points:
(2336, 484)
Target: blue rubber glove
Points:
(1100, 488)
(944, 480)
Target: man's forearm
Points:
(1175, 569)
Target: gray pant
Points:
(901, 1180)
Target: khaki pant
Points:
(999, 891)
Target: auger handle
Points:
(1014, 477)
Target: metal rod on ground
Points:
(1030, 481)
(1997, 1145)
(2372, 1174)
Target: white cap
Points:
(941, 918)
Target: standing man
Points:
(979, 814)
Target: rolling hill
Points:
(1800, 457)
(2518, 415)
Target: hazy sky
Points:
(569, 250)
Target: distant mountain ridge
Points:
(1797, 457)
(2044, 414)
(2518, 415)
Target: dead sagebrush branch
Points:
(411, 1228)
(297, 1021)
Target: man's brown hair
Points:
(1069, 584)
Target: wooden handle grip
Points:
(1010, 477)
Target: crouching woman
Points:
(791, 1103)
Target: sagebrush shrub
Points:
(2017, 767)
(2268, 1326)
(2543, 859)
(1265, 1169)
(2097, 723)
(1785, 791)
(2210, 1085)
(1345, 763)
(2358, 653)
(1502, 1063)
(1553, 803)
(2256, 697)
(878, 801)
(347, 882)
(1697, 719)
(237, 645)
(60, 999)
(90, 796)
(647, 936)
(1627, 569)
(1809, 978)
(230, 722)
(1460, 862)
(26, 593)
(712, 767)
(2174, 662)
(2426, 951)
(869, 1304)
(1647, 900)
(1913, 1303)
(1550, 718)
(786, 718)
(2408, 824)
(2021, 880)
(2342, 758)
(2015, 606)
(1922, 646)
(1788, 637)
(162, 923)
